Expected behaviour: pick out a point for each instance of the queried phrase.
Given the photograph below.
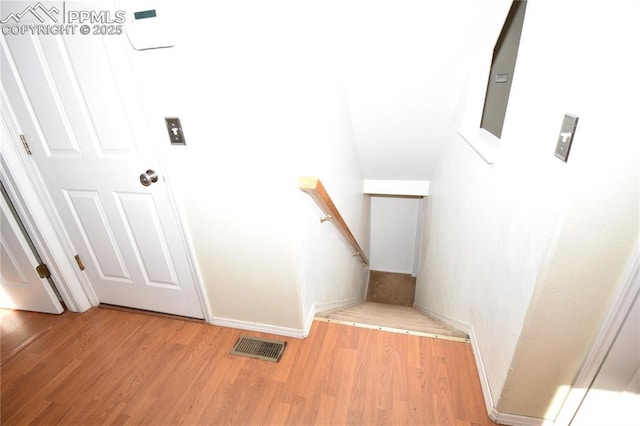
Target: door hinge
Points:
(25, 144)
(43, 270)
(79, 262)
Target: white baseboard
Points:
(495, 415)
(283, 331)
(462, 326)
(262, 328)
(393, 272)
(517, 420)
(321, 307)
(482, 374)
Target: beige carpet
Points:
(394, 317)
(391, 287)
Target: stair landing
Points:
(392, 288)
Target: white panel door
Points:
(75, 100)
(20, 285)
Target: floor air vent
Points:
(254, 347)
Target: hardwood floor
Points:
(112, 367)
(18, 329)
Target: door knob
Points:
(148, 177)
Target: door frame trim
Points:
(25, 188)
(188, 244)
(619, 309)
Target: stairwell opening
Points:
(395, 241)
(396, 231)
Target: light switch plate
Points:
(176, 136)
(565, 138)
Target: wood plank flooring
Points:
(18, 329)
(112, 367)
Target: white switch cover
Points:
(565, 137)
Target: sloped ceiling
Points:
(404, 71)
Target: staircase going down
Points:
(388, 308)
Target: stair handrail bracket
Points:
(317, 191)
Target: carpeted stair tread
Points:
(391, 288)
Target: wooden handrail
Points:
(313, 187)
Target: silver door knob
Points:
(148, 177)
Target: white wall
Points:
(614, 396)
(401, 74)
(394, 227)
(530, 251)
(261, 104)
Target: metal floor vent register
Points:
(254, 347)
